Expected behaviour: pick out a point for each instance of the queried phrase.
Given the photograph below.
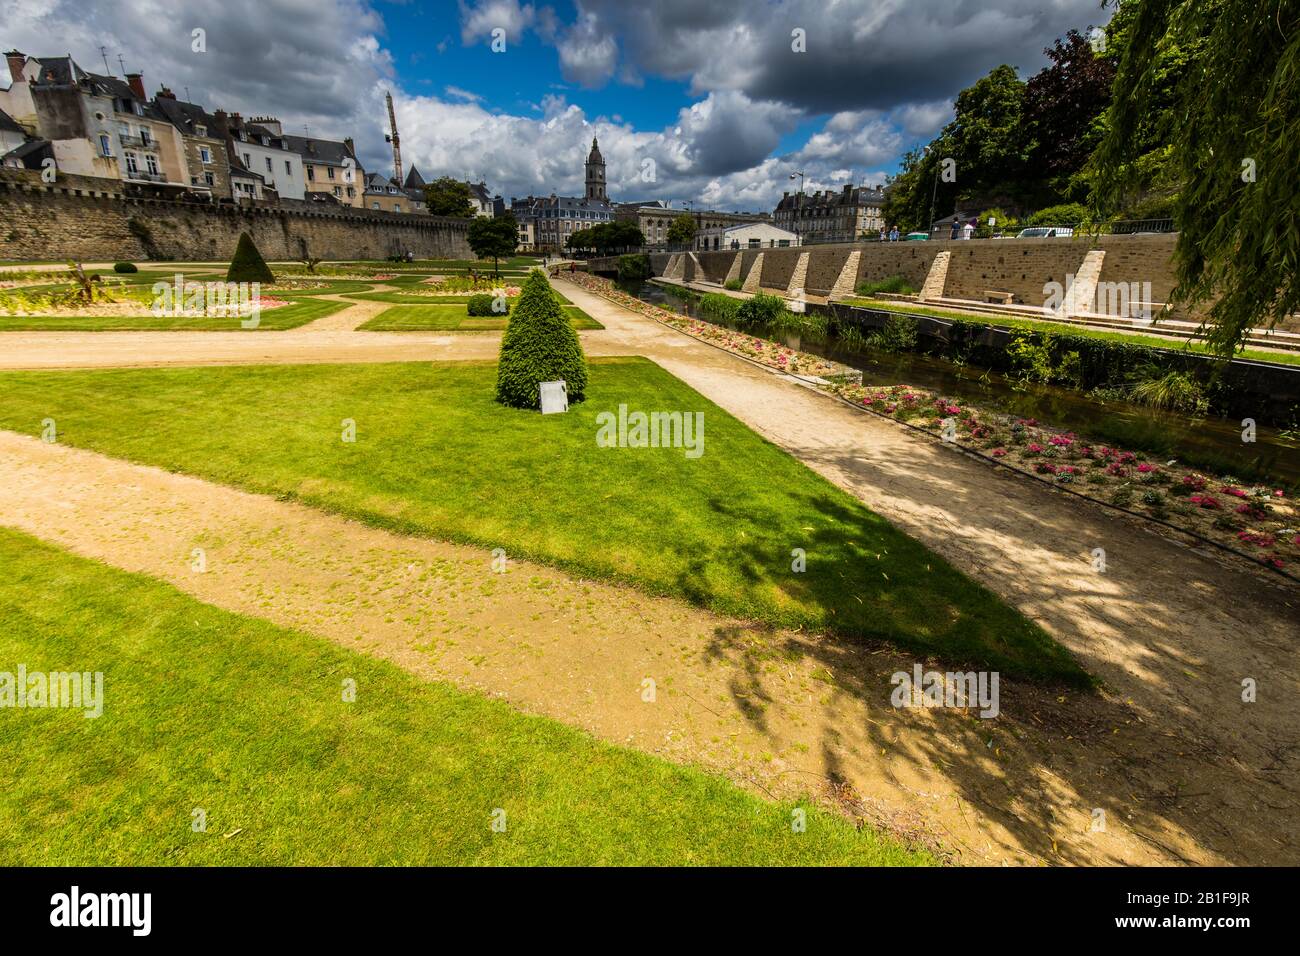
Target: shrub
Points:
(540, 345)
(484, 303)
(895, 284)
(247, 265)
(634, 267)
(719, 306)
(898, 335)
(1067, 214)
(733, 285)
(760, 309)
(124, 267)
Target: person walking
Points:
(893, 233)
(956, 225)
(968, 230)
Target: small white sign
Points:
(555, 398)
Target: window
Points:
(105, 149)
(209, 178)
(144, 136)
(374, 205)
(311, 174)
(205, 155)
(330, 172)
(268, 165)
(151, 161)
(288, 168)
(248, 161)
(201, 131)
(132, 166)
(337, 191)
(351, 192)
(397, 207)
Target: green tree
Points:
(682, 229)
(449, 197)
(247, 264)
(1233, 140)
(494, 236)
(539, 345)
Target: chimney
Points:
(347, 144)
(166, 94)
(136, 82)
(16, 61)
(848, 188)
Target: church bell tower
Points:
(596, 173)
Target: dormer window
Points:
(201, 130)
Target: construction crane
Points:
(394, 139)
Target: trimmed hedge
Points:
(484, 303)
(247, 264)
(124, 267)
(540, 345)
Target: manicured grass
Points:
(407, 298)
(448, 317)
(298, 312)
(436, 455)
(1066, 328)
(207, 709)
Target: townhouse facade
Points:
(331, 170)
(843, 215)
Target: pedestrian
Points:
(893, 233)
(968, 230)
(956, 225)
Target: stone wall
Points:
(90, 220)
(1019, 266)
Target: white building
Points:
(263, 148)
(753, 235)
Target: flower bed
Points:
(759, 350)
(1259, 521)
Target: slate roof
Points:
(7, 124)
(327, 152)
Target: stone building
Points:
(331, 169)
(383, 193)
(545, 223)
(655, 216)
(206, 158)
(852, 213)
(96, 125)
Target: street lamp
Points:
(798, 215)
(929, 226)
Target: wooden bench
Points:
(1002, 298)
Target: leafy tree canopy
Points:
(494, 237)
(682, 229)
(1232, 133)
(449, 197)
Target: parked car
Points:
(916, 237)
(1045, 232)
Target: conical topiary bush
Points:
(248, 264)
(540, 345)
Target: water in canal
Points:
(1211, 443)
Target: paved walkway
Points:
(1184, 769)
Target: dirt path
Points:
(1192, 772)
(781, 712)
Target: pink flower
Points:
(1204, 501)
(1146, 469)
(1045, 468)
(1235, 492)
(1001, 452)
(1034, 447)
(952, 409)
(1061, 441)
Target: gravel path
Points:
(1184, 770)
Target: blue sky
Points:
(711, 102)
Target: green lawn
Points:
(436, 455)
(447, 317)
(401, 297)
(207, 709)
(298, 312)
(1068, 328)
